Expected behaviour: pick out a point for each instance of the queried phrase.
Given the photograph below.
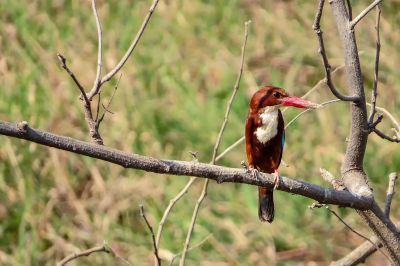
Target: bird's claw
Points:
(254, 172)
(276, 179)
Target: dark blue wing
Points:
(283, 145)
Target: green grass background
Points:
(171, 100)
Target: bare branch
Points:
(384, 136)
(307, 110)
(128, 53)
(354, 22)
(96, 83)
(359, 254)
(357, 233)
(216, 146)
(157, 258)
(173, 167)
(391, 117)
(396, 137)
(169, 208)
(98, 107)
(193, 222)
(105, 248)
(87, 109)
(376, 69)
(376, 122)
(322, 52)
(63, 62)
(191, 248)
(349, 10)
(106, 109)
(337, 184)
(390, 193)
(235, 89)
(356, 256)
(84, 253)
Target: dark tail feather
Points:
(266, 204)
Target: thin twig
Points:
(322, 52)
(357, 233)
(96, 83)
(307, 110)
(322, 81)
(98, 107)
(191, 248)
(88, 252)
(390, 116)
(64, 65)
(216, 146)
(169, 208)
(87, 109)
(354, 22)
(359, 254)
(390, 193)
(376, 68)
(337, 184)
(234, 92)
(106, 109)
(131, 48)
(376, 122)
(157, 258)
(349, 10)
(193, 222)
(231, 147)
(386, 137)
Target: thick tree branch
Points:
(218, 173)
(352, 170)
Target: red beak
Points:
(298, 102)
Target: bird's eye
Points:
(277, 95)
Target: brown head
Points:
(270, 96)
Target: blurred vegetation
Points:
(170, 101)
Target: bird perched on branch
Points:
(265, 138)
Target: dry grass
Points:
(171, 100)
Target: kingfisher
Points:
(265, 139)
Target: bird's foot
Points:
(276, 179)
(253, 171)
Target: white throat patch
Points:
(269, 128)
